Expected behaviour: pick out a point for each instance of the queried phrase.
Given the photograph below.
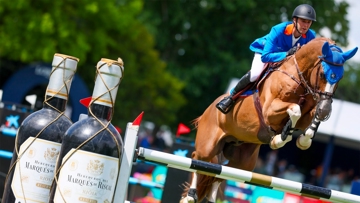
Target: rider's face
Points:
(303, 25)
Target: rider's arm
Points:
(274, 49)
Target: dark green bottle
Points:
(39, 138)
(89, 160)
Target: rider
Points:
(273, 47)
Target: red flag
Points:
(118, 129)
(86, 101)
(182, 129)
(137, 120)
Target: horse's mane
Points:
(323, 39)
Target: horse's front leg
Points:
(304, 140)
(280, 140)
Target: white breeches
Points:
(257, 67)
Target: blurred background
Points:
(179, 55)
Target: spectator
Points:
(260, 167)
(281, 168)
(147, 139)
(335, 180)
(158, 144)
(293, 174)
(270, 162)
(165, 134)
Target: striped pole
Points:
(229, 173)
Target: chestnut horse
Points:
(296, 95)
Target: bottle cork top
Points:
(109, 62)
(67, 56)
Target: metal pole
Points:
(327, 160)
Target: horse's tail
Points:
(195, 122)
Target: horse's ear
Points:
(326, 51)
(347, 55)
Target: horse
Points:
(296, 95)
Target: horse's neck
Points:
(308, 56)
(305, 62)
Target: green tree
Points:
(32, 31)
(206, 42)
(348, 88)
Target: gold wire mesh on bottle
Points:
(61, 113)
(108, 62)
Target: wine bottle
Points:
(39, 138)
(89, 160)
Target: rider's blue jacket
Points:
(273, 46)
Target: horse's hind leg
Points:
(243, 156)
(206, 149)
(191, 194)
(211, 196)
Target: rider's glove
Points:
(291, 51)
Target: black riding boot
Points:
(226, 104)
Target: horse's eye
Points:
(322, 75)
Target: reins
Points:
(302, 82)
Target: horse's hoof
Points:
(277, 141)
(187, 199)
(191, 197)
(304, 145)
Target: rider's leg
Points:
(257, 66)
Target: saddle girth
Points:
(265, 133)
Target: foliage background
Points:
(179, 55)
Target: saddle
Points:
(252, 87)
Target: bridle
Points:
(302, 82)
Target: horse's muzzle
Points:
(323, 110)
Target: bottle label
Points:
(86, 177)
(34, 172)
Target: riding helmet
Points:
(305, 11)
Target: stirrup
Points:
(225, 104)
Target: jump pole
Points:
(228, 173)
